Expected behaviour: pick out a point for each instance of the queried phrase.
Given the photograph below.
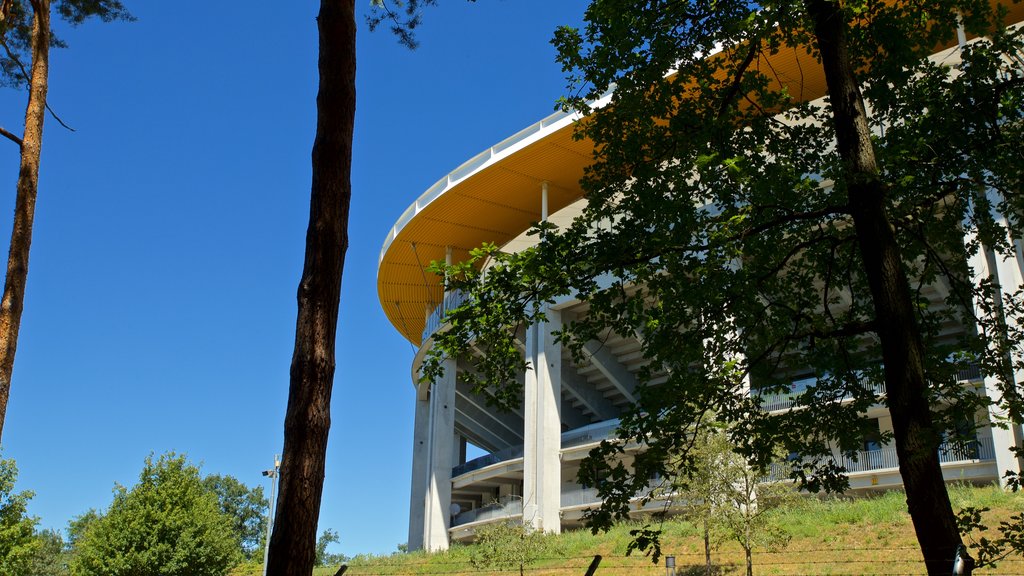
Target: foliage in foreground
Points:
(171, 522)
(51, 556)
(507, 545)
(247, 508)
(826, 535)
(168, 524)
(17, 528)
(746, 238)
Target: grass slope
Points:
(834, 536)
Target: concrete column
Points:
(1006, 273)
(542, 434)
(459, 448)
(437, 515)
(1011, 279)
(420, 456)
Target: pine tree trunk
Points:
(707, 548)
(307, 420)
(13, 301)
(917, 440)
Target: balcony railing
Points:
(570, 439)
(979, 450)
(508, 507)
(510, 453)
(590, 434)
(969, 373)
(579, 497)
(772, 402)
(451, 301)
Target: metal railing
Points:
(508, 507)
(773, 402)
(451, 301)
(579, 497)
(969, 373)
(977, 450)
(510, 453)
(552, 122)
(590, 434)
(570, 439)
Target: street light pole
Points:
(272, 474)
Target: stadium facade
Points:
(534, 453)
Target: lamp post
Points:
(272, 474)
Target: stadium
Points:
(532, 455)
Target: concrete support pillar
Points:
(542, 434)
(441, 449)
(1006, 272)
(1011, 279)
(459, 449)
(420, 456)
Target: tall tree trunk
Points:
(917, 439)
(307, 420)
(707, 548)
(13, 301)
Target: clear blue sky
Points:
(170, 233)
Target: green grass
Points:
(832, 535)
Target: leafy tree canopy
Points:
(17, 528)
(247, 507)
(507, 546)
(79, 525)
(168, 524)
(50, 557)
(727, 231)
(323, 557)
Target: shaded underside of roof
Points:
(497, 199)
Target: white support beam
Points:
(1005, 274)
(420, 457)
(586, 394)
(485, 423)
(470, 433)
(602, 359)
(437, 515)
(1010, 279)
(516, 410)
(573, 417)
(542, 474)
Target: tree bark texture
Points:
(707, 548)
(307, 420)
(13, 301)
(917, 439)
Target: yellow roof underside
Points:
(499, 201)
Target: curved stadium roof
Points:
(495, 196)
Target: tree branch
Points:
(57, 118)
(5, 9)
(826, 212)
(403, 29)
(730, 96)
(14, 58)
(845, 330)
(796, 249)
(10, 136)
(28, 80)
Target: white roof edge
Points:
(510, 145)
